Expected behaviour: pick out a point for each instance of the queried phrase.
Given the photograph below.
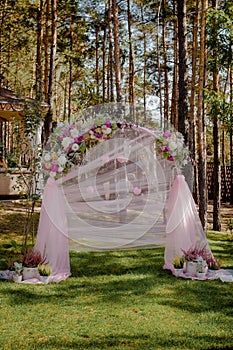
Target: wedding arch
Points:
(113, 184)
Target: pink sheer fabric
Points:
(114, 200)
(118, 199)
(52, 236)
(184, 229)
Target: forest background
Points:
(171, 57)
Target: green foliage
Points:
(220, 34)
(219, 106)
(44, 269)
(230, 225)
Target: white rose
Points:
(61, 160)
(74, 133)
(47, 157)
(66, 142)
(180, 145)
(107, 131)
(75, 147)
(172, 146)
(52, 173)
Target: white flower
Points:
(107, 131)
(66, 142)
(52, 174)
(60, 169)
(75, 147)
(62, 160)
(74, 133)
(172, 146)
(47, 157)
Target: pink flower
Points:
(54, 168)
(108, 124)
(78, 139)
(167, 134)
(170, 158)
(121, 159)
(137, 191)
(165, 149)
(90, 189)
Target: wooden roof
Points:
(13, 105)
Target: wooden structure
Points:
(226, 186)
(11, 114)
(14, 144)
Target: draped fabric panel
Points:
(52, 236)
(184, 229)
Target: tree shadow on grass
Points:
(115, 263)
(140, 341)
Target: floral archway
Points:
(107, 188)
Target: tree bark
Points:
(174, 103)
(53, 47)
(201, 123)
(183, 76)
(117, 65)
(39, 77)
(166, 87)
(70, 67)
(110, 54)
(192, 117)
(216, 140)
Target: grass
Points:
(119, 300)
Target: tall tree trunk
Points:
(192, 120)
(166, 93)
(201, 124)
(46, 50)
(131, 64)
(70, 67)
(183, 76)
(117, 64)
(231, 133)
(97, 58)
(131, 57)
(216, 140)
(174, 103)
(144, 67)
(104, 63)
(49, 115)
(39, 77)
(3, 14)
(110, 54)
(159, 67)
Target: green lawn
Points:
(117, 300)
(120, 300)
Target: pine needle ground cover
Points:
(119, 300)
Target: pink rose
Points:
(108, 124)
(54, 168)
(137, 191)
(167, 134)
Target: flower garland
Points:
(170, 144)
(67, 145)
